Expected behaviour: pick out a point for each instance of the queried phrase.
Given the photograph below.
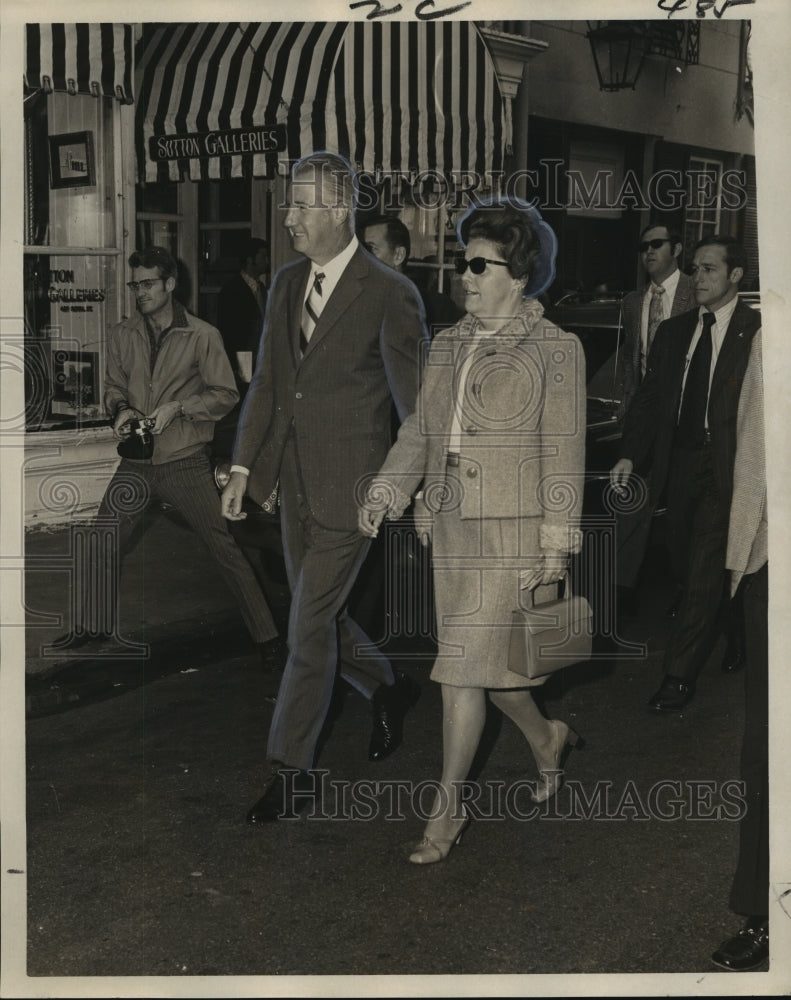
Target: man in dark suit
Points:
(683, 417)
(343, 341)
(241, 305)
(388, 239)
(669, 292)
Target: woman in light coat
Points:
(498, 442)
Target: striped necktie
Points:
(311, 311)
(656, 313)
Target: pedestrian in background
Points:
(683, 418)
(241, 306)
(170, 368)
(669, 292)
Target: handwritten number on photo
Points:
(424, 10)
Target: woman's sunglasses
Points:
(477, 265)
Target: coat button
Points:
(472, 473)
(299, 395)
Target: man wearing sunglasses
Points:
(683, 422)
(669, 292)
(170, 367)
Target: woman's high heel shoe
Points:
(431, 850)
(552, 775)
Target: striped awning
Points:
(93, 59)
(418, 96)
(397, 96)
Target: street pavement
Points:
(140, 862)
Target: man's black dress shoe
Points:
(673, 694)
(287, 792)
(747, 950)
(390, 704)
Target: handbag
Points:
(547, 637)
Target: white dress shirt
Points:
(722, 318)
(332, 272)
(670, 284)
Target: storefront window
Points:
(230, 212)
(71, 257)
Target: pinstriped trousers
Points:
(188, 485)
(322, 565)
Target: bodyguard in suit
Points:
(683, 418)
(669, 292)
(241, 305)
(343, 340)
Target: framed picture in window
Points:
(75, 382)
(71, 160)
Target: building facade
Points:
(182, 135)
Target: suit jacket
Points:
(650, 423)
(239, 318)
(364, 355)
(748, 541)
(522, 443)
(630, 373)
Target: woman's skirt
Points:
(476, 589)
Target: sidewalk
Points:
(174, 606)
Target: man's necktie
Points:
(311, 311)
(692, 418)
(656, 314)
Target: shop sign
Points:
(231, 142)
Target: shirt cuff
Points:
(240, 468)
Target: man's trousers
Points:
(187, 484)
(322, 566)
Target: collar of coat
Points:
(521, 325)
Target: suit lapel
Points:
(350, 285)
(684, 298)
(687, 324)
(632, 320)
(735, 344)
(295, 300)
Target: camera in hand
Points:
(140, 443)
